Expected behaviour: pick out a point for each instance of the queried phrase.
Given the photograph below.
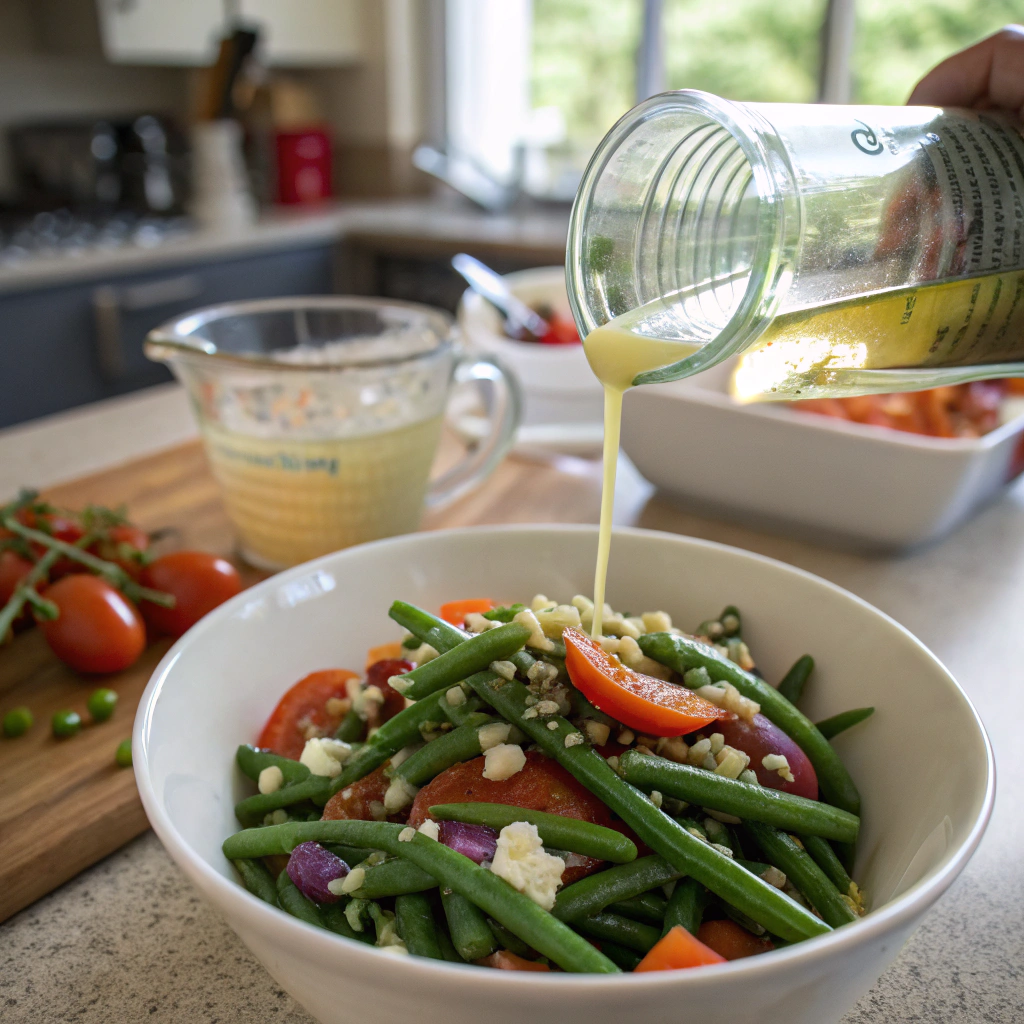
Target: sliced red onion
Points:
(477, 842)
(311, 867)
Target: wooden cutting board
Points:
(64, 804)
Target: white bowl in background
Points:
(562, 400)
(821, 478)
(921, 820)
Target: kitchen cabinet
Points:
(313, 33)
(68, 345)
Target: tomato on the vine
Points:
(123, 544)
(198, 582)
(13, 569)
(98, 628)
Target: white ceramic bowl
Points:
(562, 400)
(922, 820)
(813, 476)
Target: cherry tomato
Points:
(61, 528)
(197, 581)
(98, 630)
(303, 708)
(505, 960)
(357, 800)
(762, 737)
(455, 612)
(642, 702)
(378, 675)
(540, 785)
(123, 544)
(13, 569)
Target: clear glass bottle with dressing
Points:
(835, 250)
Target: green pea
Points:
(65, 723)
(101, 704)
(124, 754)
(17, 722)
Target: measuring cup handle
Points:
(503, 399)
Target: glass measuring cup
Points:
(322, 415)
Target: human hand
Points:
(986, 76)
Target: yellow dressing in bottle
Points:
(617, 355)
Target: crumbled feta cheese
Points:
(455, 697)
(368, 701)
(520, 859)
(378, 811)
(337, 706)
(536, 639)
(656, 622)
(278, 817)
(547, 707)
(656, 798)
(529, 700)
(540, 601)
(398, 948)
(530, 713)
(407, 834)
(492, 735)
(324, 756)
(727, 850)
(726, 819)
(637, 623)
(352, 881)
(353, 687)
(597, 732)
(725, 695)
(779, 764)
(554, 620)
(476, 623)
(503, 761)
(700, 750)
(618, 626)
(710, 763)
(271, 779)
(613, 762)
(750, 776)
(505, 669)
(739, 653)
(641, 748)
(773, 876)
(399, 794)
(717, 742)
(731, 762)
(610, 644)
(586, 609)
(429, 829)
(309, 728)
(399, 757)
(423, 654)
(552, 726)
(695, 678)
(629, 652)
(673, 748)
(541, 672)
(573, 739)
(626, 737)
(399, 683)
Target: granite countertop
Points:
(442, 219)
(131, 940)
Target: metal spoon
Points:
(485, 282)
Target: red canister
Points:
(303, 165)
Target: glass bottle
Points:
(835, 250)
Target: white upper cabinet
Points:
(293, 33)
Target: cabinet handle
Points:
(109, 351)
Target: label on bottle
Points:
(979, 197)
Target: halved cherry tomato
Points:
(504, 960)
(378, 675)
(676, 950)
(13, 569)
(455, 612)
(642, 702)
(304, 709)
(198, 582)
(540, 785)
(356, 801)
(762, 737)
(731, 941)
(98, 629)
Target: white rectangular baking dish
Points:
(818, 478)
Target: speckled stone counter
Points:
(130, 940)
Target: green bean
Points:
(825, 857)
(626, 959)
(457, 714)
(291, 900)
(492, 894)
(595, 892)
(514, 944)
(755, 867)
(394, 877)
(555, 830)
(257, 879)
(833, 726)
(416, 925)
(792, 685)
(394, 734)
(757, 803)
(622, 931)
(471, 935)
(444, 940)
(351, 727)
(681, 653)
(334, 919)
(351, 855)
(454, 664)
(686, 906)
(252, 810)
(782, 851)
(252, 761)
(648, 907)
(460, 744)
(661, 833)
